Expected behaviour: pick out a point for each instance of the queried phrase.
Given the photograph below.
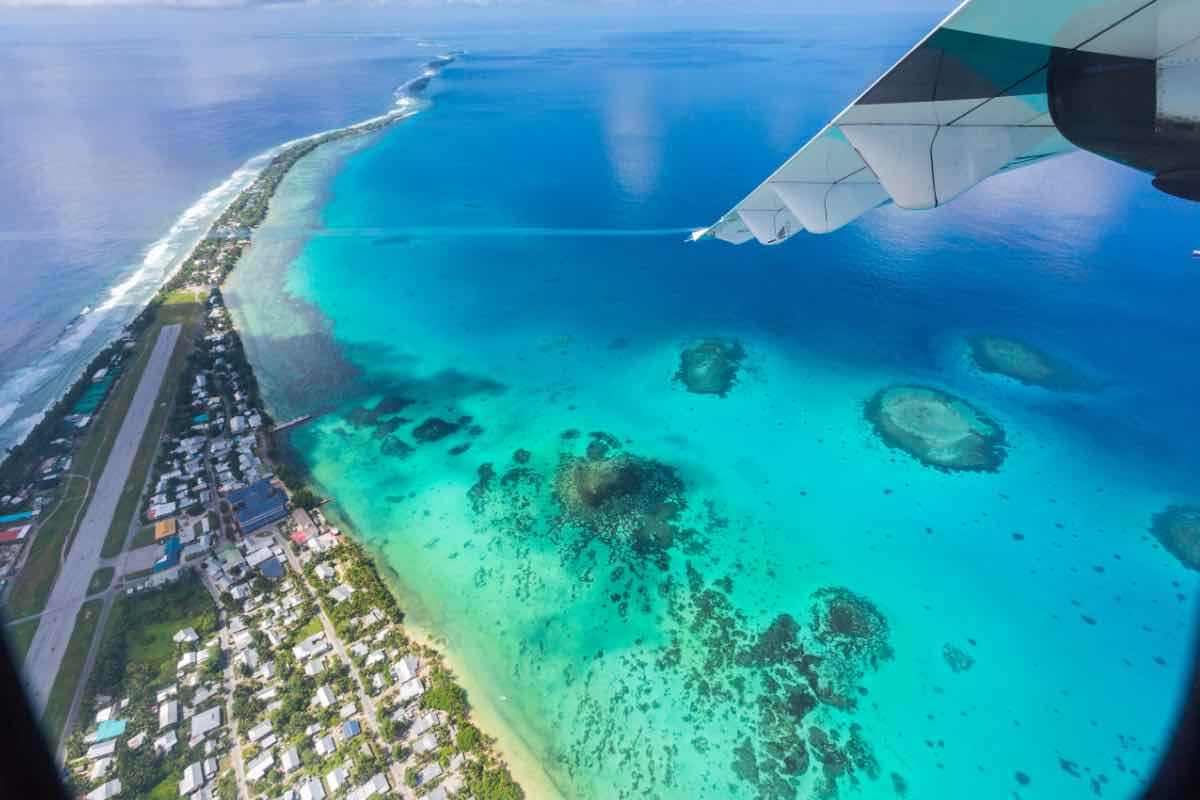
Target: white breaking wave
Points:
(160, 262)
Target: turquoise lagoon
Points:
(405, 269)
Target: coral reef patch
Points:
(710, 366)
(956, 658)
(433, 429)
(1028, 364)
(938, 429)
(1177, 529)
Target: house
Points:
(424, 723)
(405, 669)
(429, 772)
(341, 593)
(347, 711)
(305, 528)
(378, 785)
(350, 728)
(110, 789)
(314, 645)
(206, 721)
(315, 667)
(193, 779)
(290, 760)
(325, 696)
(259, 731)
(165, 742)
(324, 746)
(336, 778)
(134, 742)
(311, 789)
(249, 657)
(210, 767)
(256, 770)
(425, 744)
(186, 636)
(410, 690)
(258, 505)
(325, 572)
(102, 750)
(100, 769)
(168, 714)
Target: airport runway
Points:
(70, 589)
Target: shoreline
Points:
(249, 173)
(523, 764)
(514, 754)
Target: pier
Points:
(291, 423)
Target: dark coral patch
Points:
(1028, 364)
(395, 446)
(1177, 528)
(710, 366)
(956, 658)
(433, 429)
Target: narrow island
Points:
(1177, 529)
(1022, 361)
(244, 646)
(936, 428)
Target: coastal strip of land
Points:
(83, 558)
(209, 632)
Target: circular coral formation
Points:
(850, 625)
(938, 429)
(956, 658)
(1026, 363)
(1177, 529)
(710, 366)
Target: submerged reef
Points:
(641, 546)
(433, 429)
(1177, 529)
(710, 366)
(1028, 364)
(938, 429)
(956, 658)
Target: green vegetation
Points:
(305, 498)
(143, 537)
(100, 580)
(59, 704)
(137, 647)
(468, 738)
(20, 636)
(32, 587)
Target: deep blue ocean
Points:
(505, 256)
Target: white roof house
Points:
(100, 769)
(102, 750)
(425, 744)
(311, 789)
(206, 721)
(257, 769)
(168, 714)
(411, 689)
(110, 789)
(186, 636)
(290, 760)
(325, 696)
(336, 778)
(259, 731)
(165, 742)
(341, 593)
(378, 785)
(193, 779)
(324, 746)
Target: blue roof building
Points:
(172, 549)
(258, 504)
(350, 729)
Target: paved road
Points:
(54, 632)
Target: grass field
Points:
(143, 537)
(100, 580)
(32, 587)
(59, 704)
(180, 307)
(311, 627)
(20, 636)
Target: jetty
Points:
(291, 423)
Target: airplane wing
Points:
(999, 84)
